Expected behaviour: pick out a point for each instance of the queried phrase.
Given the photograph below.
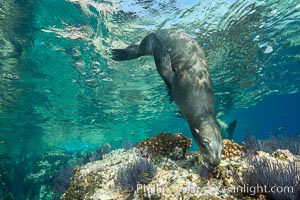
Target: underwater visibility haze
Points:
(61, 91)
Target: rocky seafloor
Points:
(162, 168)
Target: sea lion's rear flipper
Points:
(143, 48)
(231, 129)
(150, 45)
(131, 52)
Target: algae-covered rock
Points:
(141, 172)
(232, 149)
(186, 178)
(271, 173)
(165, 144)
(173, 179)
(89, 181)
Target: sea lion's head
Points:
(209, 139)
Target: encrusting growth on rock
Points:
(232, 149)
(165, 143)
(127, 174)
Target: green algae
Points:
(82, 187)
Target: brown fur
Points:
(182, 64)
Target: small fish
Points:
(146, 177)
(107, 144)
(145, 174)
(132, 133)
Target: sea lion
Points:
(182, 64)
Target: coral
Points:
(232, 149)
(264, 174)
(227, 167)
(141, 172)
(82, 185)
(283, 155)
(252, 144)
(165, 143)
(36, 175)
(15, 179)
(289, 142)
(100, 152)
(172, 179)
(96, 180)
(62, 180)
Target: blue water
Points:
(61, 93)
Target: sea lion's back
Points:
(184, 50)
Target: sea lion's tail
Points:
(131, 52)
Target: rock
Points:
(284, 155)
(167, 144)
(184, 178)
(232, 149)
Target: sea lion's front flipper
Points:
(163, 64)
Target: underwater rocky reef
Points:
(161, 167)
(44, 176)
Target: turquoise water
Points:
(61, 92)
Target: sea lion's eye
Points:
(205, 143)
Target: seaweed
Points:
(127, 144)
(252, 144)
(289, 142)
(62, 180)
(23, 176)
(275, 179)
(141, 172)
(82, 186)
(99, 153)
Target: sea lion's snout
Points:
(209, 139)
(214, 159)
